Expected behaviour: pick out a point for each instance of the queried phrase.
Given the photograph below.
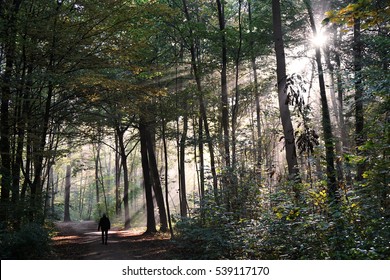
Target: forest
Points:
(241, 129)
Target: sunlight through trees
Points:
(246, 129)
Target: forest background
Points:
(247, 129)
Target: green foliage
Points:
(314, 230)
(208, 235)
(30, 242)
(196, 241)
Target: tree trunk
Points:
(156, 181)
(182, 173)
(122, 150)
(201, 159)
(224, 89)
(67, 193)
(360, 136)
(39, 147)
(345, 145)
(195, 64)
(257, 94)
(166, 177)
(237, 90)
(326, 123)
(117, 178)
(150, 220)
(97, 157)
(9, 31)
(288, 130)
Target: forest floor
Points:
(82, 241)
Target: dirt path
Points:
(82, 241)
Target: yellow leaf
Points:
(330, 14)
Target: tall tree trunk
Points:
(326, 123)
(166, 177)
(233, 191)
(39, 147)
(288, 130)
(117, 178)
(224, 89)
(182, 148)
(195, 64)
(68, 175)
(54, 191)
(360, 137)
(8, 30)
(257, 93)
(337, 86)
(156, 181)
(345, 145)
(150, 220)
(236, 104)
(340, 99)
(97, 188)
(122, 150)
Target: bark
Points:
(166, 177)
(9, 32)
(97, 158)
(182, 147)
(122, 152)
(156, 181)
(224, 89)
(201, 159)
(237, 90)
(195, 64)
(257, 94)
(288, 130)
(340, 99)
(360, 137)
(150, 220)
(117, 178)
(67, 193)
(326, 123)
(39, 146)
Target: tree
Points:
(120, 131)
(150, 222)
(196, 65)
(359, 110)
(9, 12)
(67, 193)
(288, 130)
(326, 123)
(224, 89)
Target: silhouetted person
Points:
(104, 225)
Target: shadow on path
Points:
(82, 241)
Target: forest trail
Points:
(82, 241)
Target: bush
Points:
(311, 231)
(199, 242)
(30, 242)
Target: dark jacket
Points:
(104, 223)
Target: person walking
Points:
(104, 226)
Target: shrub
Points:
(30, 242)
